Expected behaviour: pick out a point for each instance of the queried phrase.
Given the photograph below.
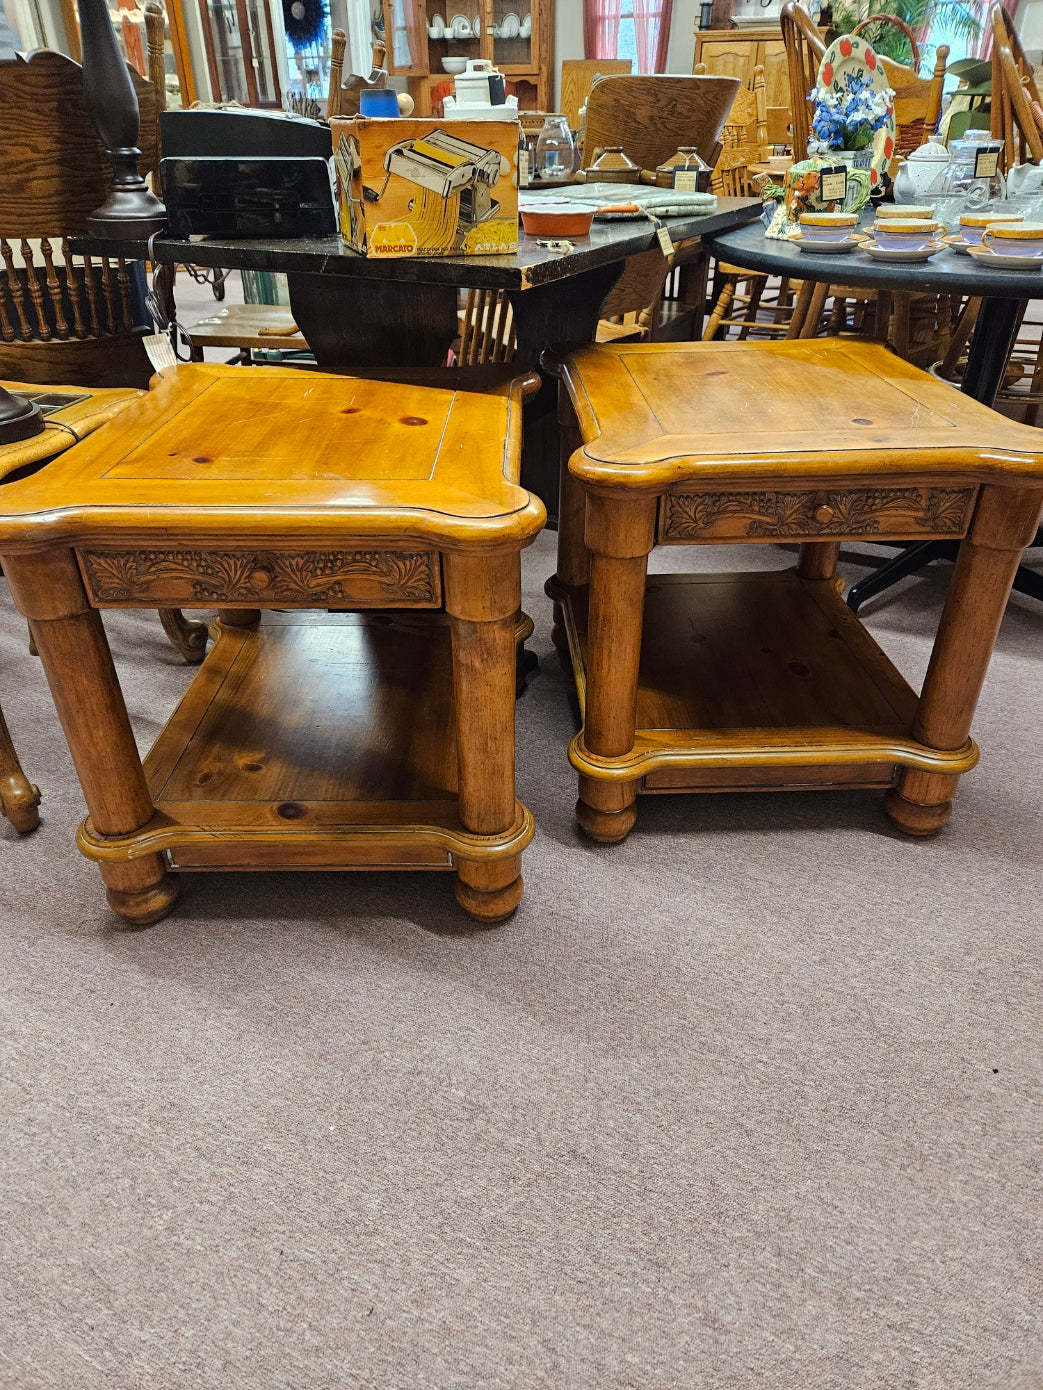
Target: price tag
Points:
(686, 180)
(523, 168)
(665, 244)
(833, 185)
(986, 163)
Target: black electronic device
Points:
(248, 197)
(242, 134)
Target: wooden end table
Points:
(768, 681)
(368, 721)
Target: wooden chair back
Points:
(343, 97)
(917, 102)
(1017, 113)
(578, 75)
(805, 50)
(63, 318)
(651, 117)
(487, 330)
(745, 139)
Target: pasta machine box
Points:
(410, 187)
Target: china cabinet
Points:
(516, 35)
(240, 51)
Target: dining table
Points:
(1002, 292)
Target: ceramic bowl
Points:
(1024, 239)
(454, 65)
(827, 226)
(972, 224)
(558, 219)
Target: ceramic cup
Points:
(827, 226)
(972, 224)
(919, 212)
(1014, 238)
(905, 233)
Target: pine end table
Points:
(768, 681)
(367, 721)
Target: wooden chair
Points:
(805, 50)
(486, 329)
(578, 75)
(1017, 115)
(918, 100)
(651, 117)
(73, 319)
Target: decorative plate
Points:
(823, 247)
(851, 56)
(956, 243)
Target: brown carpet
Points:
(751, 1100)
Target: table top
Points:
(66, 421)
(947, 272)
(531, 266)
(836, 409)
(219, 453)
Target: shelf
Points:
(758, 681)
(314, 741)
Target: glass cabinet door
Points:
(240, 51)
(514, 42)
(405, 36)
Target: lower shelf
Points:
(757, 682)
(314, 741)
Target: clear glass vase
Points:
(555, 149)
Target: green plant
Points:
(961, 19)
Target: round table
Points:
(948, 272)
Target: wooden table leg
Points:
(75, 654)
(619, 535)
(482, 598)
(1005, 521)
(19, 799)
(573, 570)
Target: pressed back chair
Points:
(65, 318)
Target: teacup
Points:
(1014, 238)
(919, 212)
(905, 233)
(827, 226)
(973, 224)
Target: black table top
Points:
(947, 272)
(533, 265)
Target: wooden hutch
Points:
(517, 35)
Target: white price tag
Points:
(833, 187)
(665, 244)
(986, 163)
(686, 180)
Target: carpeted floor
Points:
(750, 1100)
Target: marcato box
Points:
(428, 187)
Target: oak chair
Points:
(66, 318)
(804, 52)
(578, 75)
(651, 117)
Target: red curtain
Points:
(983, 47)
(601, 28)
(651, 30)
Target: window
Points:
(634, 29)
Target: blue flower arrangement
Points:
(848, 119)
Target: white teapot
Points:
(919, 175)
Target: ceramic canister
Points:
(972, 224)
(905, 233)
(1014, 238)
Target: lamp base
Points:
(19, 418)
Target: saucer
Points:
(956, 243)
(984, 256)
(821, 246)
(909, 254)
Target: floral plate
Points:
(851, 62)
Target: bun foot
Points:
(143, 906)
(606, 827)
(489, 905)
(19, 801)
(914, 818)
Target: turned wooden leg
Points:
(573, 557)
(1005, 521)
(482, 596)
(818, 559)
(238, 617)
(189, 638)
(620, 533)
(19, 799)
(75, 654)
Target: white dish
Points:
(454, 66)
(436, 29)
(476, 27)
(994, 261)
(956, 243)
(909, 255)
(526, 27)
(460, 26)
(510, 26)
(821, 246)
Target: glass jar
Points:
(960, 188)
(555, 149)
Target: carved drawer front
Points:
(362, 578)
(897, 513)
